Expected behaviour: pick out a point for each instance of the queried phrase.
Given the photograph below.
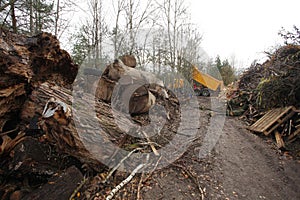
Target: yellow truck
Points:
(202, 83)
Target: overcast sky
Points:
(243, 28)
(240, 28)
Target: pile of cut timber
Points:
(43, 140)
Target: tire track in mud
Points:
(251, 169)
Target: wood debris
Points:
(39, 126)
(272, 120)
(267, 96)
(278, 121)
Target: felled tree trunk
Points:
(59, 127)
(130, 88)
(91, 129)
(39, 98)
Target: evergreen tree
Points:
(81, 45)
(222, 70)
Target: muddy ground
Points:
(237, 165)
(242, 165)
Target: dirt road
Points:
(235, 164)
(252, 168)
(240, 166)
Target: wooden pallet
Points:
(272, 119)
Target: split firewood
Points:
(279, 140)
(141, 100)
(108, 80)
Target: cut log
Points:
(38, 102)
(132, 87)
(76, 134)
(129, 60)
(59, 128)
(279, 140)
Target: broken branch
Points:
(124, 182)
(119, 164)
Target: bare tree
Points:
(27, 16)
(8, 14)
(62, 16)
(13, 15)
(174, 18)
(117, 38)
(156, 33)
(57, 16)
(34, 16)
(31, 25)
(4, 4)
(136, 15)
(96, 31)
(189, 46)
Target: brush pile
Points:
(272, 84)
(265, 88)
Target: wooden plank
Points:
(265, 120)
(279, 140)
(293, 135)
(278, 115)
(283, 120)
(272, 118)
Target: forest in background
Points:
(160, 34)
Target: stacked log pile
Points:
(44, 142)
(273, 84)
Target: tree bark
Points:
(26, 62)
(38, 101)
